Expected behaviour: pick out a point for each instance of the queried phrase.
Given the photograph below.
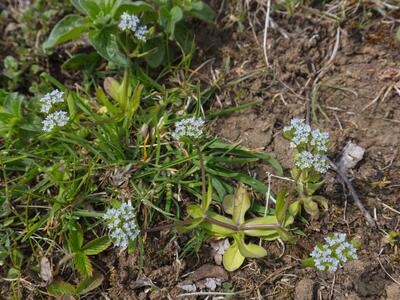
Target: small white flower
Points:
(320, 140)
(141, 33)
(335, 252)
(50, 99)
(122, 225)
(307, 160)
(191, 128)
(301, 133)
(128, 22)
(56, 119)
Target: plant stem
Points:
(203, 176)
(124, 100)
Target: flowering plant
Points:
(331, 255)
(311, 162)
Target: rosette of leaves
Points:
(99, 20)
(237, 227)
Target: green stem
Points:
(124, 100)
(203, 176)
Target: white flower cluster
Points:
(302, 134)
(59, 118)
(122, 225)
(301, 131)
(335, 252)
(50, 99)
(191, 128)
(308, 160)
(56, 119)
(320, 140)
(131, 22)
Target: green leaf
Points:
(228, 203)
(61, 288)
(169, 18)
(294, 208)
(208, 199)
(96, 246)
(311, 208)
(157, 57)
(134, 8)
(91, 8)
(13, 273)
(218, 229)
(308, 262)
(195, 211)
(280, 206)
(232, 259)
(321, 200)
(89, 284)
(105, 42)
(82, 61)
(313, 187)
(82, 264)
(250, 250)
(241, 204)
(69, 28)
(261, 232)
(75, 240)
(202, 11)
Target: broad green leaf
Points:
(61, 288)
(13, 273)
(280, 206)
(82, 61)
(91, 8)
(169, 18)
(195, 211)
(105, 42)
(232, 259)
(69, 28)
(313, 187)
(295, 208)
(82, 264)
(241, 203)
(89, 284)
(218, 229)
(184, 38)
(250, 250)
(134, 8)
(228, 204)
(96, 246)
(202, 11)
(158, 56)
(322, 201)
(311, 208)
(272, 220)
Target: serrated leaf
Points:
(89, 284)
(82, 264)
(69, 28)
(61, 288)
(75, 240)
(232, 259)
(96, 246)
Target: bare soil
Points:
(355, 88)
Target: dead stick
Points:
(354, 194)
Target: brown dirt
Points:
(367, 62)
